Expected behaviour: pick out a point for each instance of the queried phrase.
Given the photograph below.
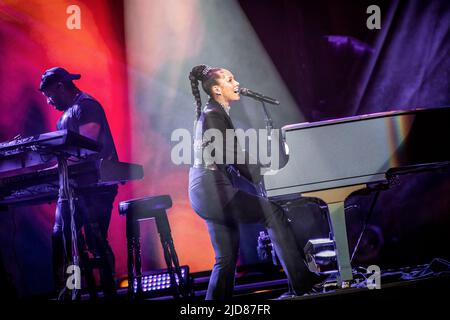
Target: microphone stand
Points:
(269, 127)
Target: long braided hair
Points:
(208, 77)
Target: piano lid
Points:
(361, 149)
(296, 126)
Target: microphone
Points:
(258, 96)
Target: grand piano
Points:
(332, 159)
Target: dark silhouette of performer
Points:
(84, 115)
(221, 204)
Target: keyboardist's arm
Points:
(90, 130)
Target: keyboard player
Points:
(82, 114)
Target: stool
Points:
(140, 209)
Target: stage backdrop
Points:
(317, 57)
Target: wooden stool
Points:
(140, 209)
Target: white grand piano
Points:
(332, 159)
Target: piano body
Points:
(24, 182)
(332, 159)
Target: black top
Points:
(215, 117)
(210, 184)
(86, 109)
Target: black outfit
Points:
(92, 207)
(223, 206)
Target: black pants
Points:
(224, 233)
(93, 212)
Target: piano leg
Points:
(335, 200)
(337, 217)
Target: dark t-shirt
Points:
(86, 109)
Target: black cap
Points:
(56, 74)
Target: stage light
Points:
(158, 283)
(321, 256)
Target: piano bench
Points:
(137, 210)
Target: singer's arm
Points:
(249, 170)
